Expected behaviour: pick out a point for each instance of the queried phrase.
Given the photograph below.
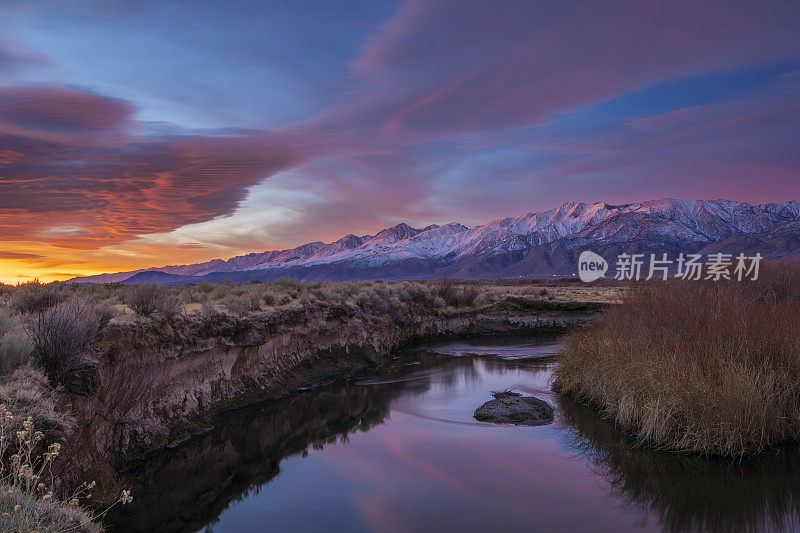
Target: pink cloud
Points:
(472, 67)
(68, 161)
(61, 114)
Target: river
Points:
(399, 450)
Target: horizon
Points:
(171, 134)
(422, 230)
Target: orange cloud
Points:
(65, 194)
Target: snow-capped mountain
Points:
(534, 244)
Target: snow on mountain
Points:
(536, 243)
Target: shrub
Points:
(205, 287)
(286, 283)
(147, 298)
(35, 298)
(456, 295)
(62, 336)
(710, 367)
(467, 295)
(242, 304)
(446, 289)
(15, 349)
(414, 292)
(269, 299)
(7, 322)
(27, 502)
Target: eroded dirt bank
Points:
(158, 383)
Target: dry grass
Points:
(33, 495)
(709, 367)
(28, 390)
(51, 516)
(28, 487)
(28, 421)
(158, 302)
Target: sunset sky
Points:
(137, 134)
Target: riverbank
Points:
(320, 456)
(128, 371)
(698, 366)
(155, 386)
(142, 368)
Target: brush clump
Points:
(700, 366)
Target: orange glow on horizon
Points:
(21, 262)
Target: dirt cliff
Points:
(157, 383)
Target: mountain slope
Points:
(534, 244)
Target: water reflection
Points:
(399, 450)
(686, 492)
(186, 488)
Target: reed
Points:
(700, 366)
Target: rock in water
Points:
(513, 408)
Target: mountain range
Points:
(535, 244)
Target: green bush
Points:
(15, 349)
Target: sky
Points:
(146, 133)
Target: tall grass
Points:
(709, 367)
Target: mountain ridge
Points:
(534, 244)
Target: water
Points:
(400, 451)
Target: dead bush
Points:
(63, 335)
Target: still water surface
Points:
(399, 451)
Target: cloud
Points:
(81, 194)
(454, 112)
(741, 150)
(490, 65)
(14, 57)
(66, 231)
(64, 115)
(5, 254)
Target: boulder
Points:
(513, 408)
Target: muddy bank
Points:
(156, 384)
